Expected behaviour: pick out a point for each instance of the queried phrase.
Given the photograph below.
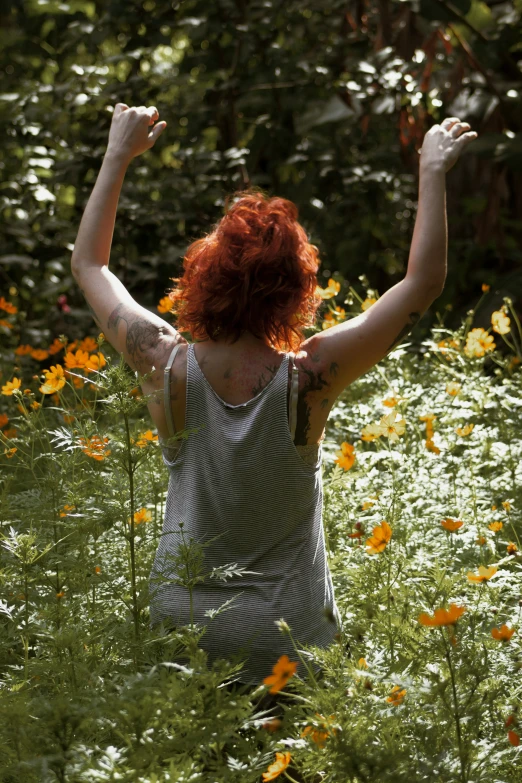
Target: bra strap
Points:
(166, 391)
(293, 399)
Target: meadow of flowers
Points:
(423, 523)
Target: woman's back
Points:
(240, 477)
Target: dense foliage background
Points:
(326, 105)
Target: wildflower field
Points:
(423, 523)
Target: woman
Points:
(254, 394)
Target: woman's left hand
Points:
(129, 134)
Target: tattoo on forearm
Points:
(414, 317)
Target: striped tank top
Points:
(239, 483)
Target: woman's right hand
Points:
(443, 144)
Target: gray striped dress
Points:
(241, 477)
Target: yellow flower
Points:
(54, 380)
(478, 343)
(368, 303)
(511, 548)
(390, 428)
(367, 504)
(362, 663)
(143, 515)
(500, 322)
(10, 452)
(11, 386)
(371, 432)
(495, 526)
(390, 402)
(65, 510)
(345, 457)
(484, 574)
(280, 764)
(396, 695)
(463, 431)
(380, 538)
(453, 388)
(327, 293)
(507, 505)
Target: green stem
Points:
(135, 610)
(456, 709)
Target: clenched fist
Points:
(443, 144)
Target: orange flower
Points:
(11, 386)
(368, 303)
(442, 616)
(280, 764)
(282, 671)
(396, 695)
(390, 402)
(68, 419)
(7, 306)
(4, 418)
(332, 290)
(514, 738)
(145, 439)
(65, 509)
(97, 570)
(319, 737)
(481, 540)
(495, 526)
(362, 663)
(451, 524)
(10, 452)
(502, 634)
(485, 287)
(511, 548)
(55, 346)
(10, 433)
(76, 360)
(39, 354)
(22, 350)
(272, 725)
(345, 457)
(165, 305)
(95, 447)
(60, 594)
(380, 538)
(96, 361)
(430, 445)
(89, 344)
(367, 504)
(483, 574)
(5, 323)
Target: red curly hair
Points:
(255, 271)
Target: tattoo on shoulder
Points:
(414, 318)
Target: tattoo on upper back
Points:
(414, 318)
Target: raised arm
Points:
(344, 352)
